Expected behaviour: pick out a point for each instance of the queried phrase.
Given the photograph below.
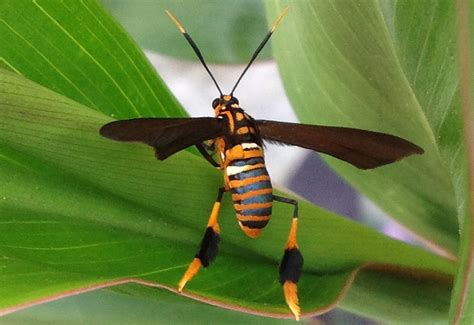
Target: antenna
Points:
(194, 46)
(260, 47)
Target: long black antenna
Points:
(260, 47)
(194, 46)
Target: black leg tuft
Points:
(291, 265)
(209, 247)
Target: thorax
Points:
(239, 128)
(240, 146)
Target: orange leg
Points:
(209, 245)
(291, 263)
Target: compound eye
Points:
(215, 102)
(233, 100)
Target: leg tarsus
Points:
(291, 297)
(192, 270)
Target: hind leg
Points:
(292, 262)
(209, 245)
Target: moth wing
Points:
(166, 135)
(361, 148)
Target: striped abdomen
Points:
(251, 189)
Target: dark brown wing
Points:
(166, 135)
(363, 149)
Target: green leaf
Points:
(225, 31)
(76, 49)
(462, 300)
(96, 211)
(120, 306)
(386, 298)
(77, 210)
(352, 64)
(396, 63)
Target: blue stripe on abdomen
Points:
(249, 174)
(252, 187)
(244, 162)
(262, 198)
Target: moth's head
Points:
(225, 102)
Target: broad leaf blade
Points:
(383, 298)
(116, 198)
(340, 67)
(76, 49)
(131, 303)
(462, 300)
(98, 211)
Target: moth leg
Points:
(210, 146)
(292, 262)
(202, 149)
(209, 245)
